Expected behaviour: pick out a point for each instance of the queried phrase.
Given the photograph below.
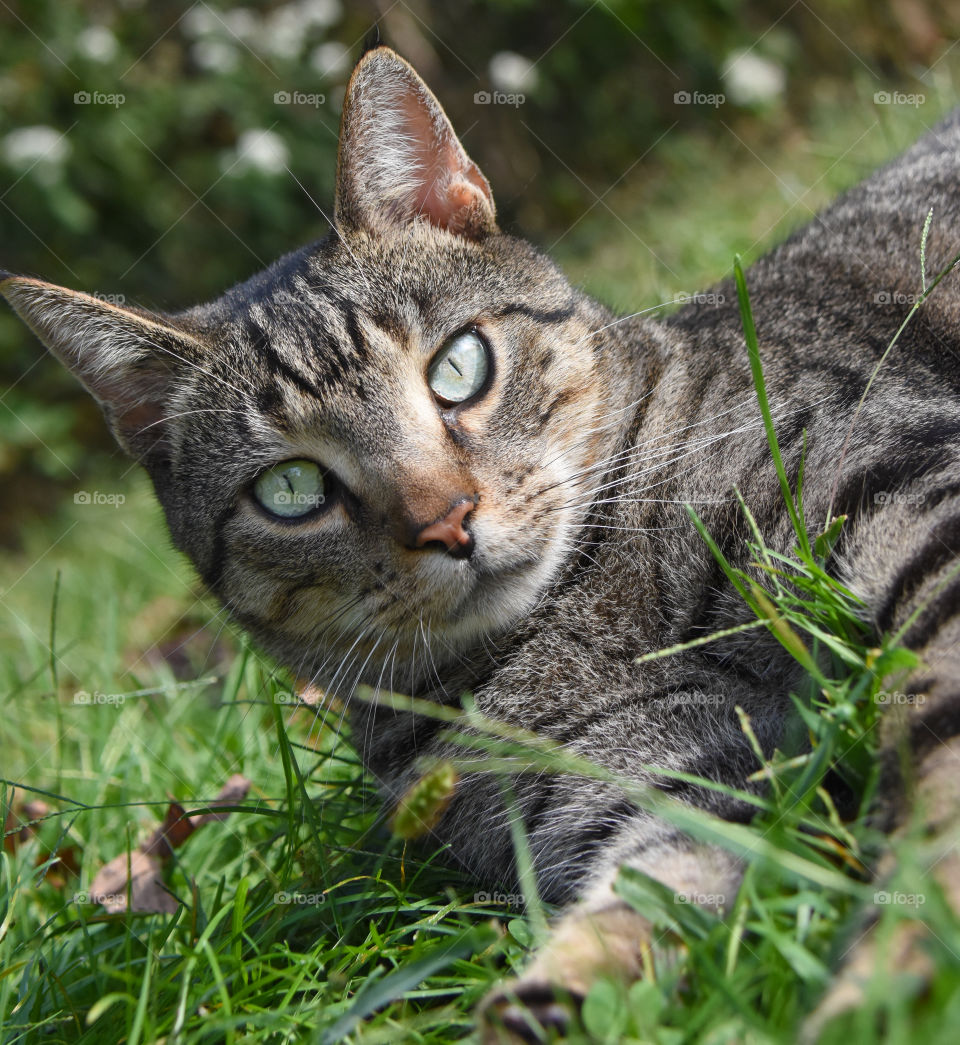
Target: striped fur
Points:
(592, 435)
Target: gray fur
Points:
(581, 456)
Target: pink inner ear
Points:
(141, 419)
(135, 402)
(451, 188)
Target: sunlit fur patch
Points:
(342, 596)
(325, 357)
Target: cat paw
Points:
(904, 954)
(614, 941)
(531, 1011)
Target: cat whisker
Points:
(192, 364)
(336, 231)
(187, 413)
(624, 319)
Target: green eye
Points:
(291, 489)
(460, 368)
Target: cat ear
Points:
(400, 158)
(127, 361)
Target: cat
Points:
(413, 456)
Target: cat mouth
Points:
(494, 590)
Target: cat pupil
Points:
(460, 370)
(291, 489)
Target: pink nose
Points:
(449, 531)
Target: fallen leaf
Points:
(21, 823)
(135, 879)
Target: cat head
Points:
(374, 450)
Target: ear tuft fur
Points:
(400, 160)
(128, 361)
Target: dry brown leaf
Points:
(137, 878)
(21, 823)
(134, 877)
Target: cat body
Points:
(528, 541)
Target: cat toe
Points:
(532, 1012)
(905, 953)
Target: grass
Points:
(305, 918)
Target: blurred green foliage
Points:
(146, 147)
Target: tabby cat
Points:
(412, 456)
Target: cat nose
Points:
(449, 532)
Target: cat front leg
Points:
(602, 936)
(919, 597)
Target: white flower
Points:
(752, 80)
(216, 56)
(97, 43)
(200, 21)
(319, 12)
(238, 22)
(39, 145)
(283, 32)
(512, 72)
(241, 22)
(330, 59)
(257, 150)
(285, 29)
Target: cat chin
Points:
(495, 603)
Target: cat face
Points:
(373, 451)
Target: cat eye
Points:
(459, 370)
(291, 489)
